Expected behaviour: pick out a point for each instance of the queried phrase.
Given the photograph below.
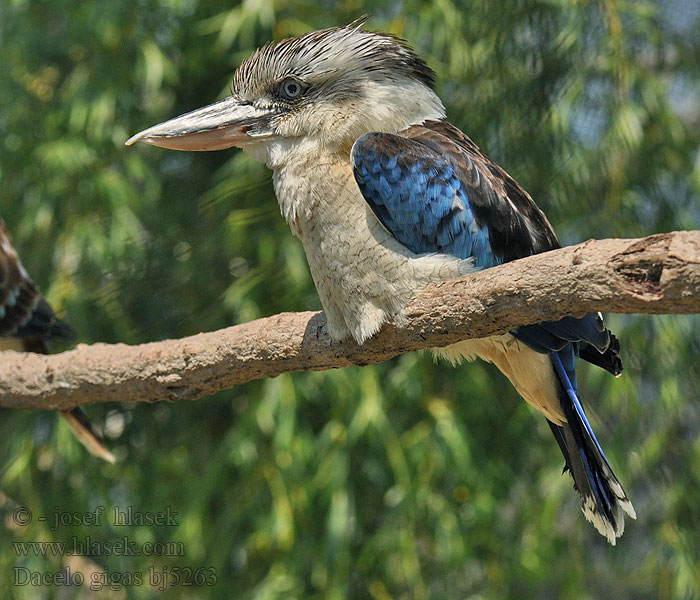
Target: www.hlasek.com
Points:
(86, 546)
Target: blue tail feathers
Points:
(603, 500)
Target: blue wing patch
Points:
(417, 196)
(422, 197)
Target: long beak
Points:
(220, 125)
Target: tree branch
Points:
(654, 275)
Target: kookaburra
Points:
(388, 197)
(27, 323)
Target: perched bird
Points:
(388, 197)
(27, 322)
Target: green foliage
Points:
(404, 480)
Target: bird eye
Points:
(291, 88)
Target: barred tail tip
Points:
(610, 530)
(611, 525)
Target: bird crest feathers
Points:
(328, 51)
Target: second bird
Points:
(28, 323)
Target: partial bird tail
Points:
(86, 435)
(44, 324)
(62, 332)
(76, 418)
(603, 500)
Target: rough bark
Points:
(654, 275)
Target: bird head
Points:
(324, 88)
